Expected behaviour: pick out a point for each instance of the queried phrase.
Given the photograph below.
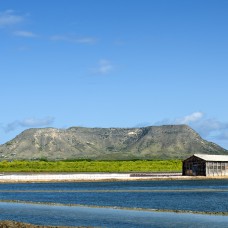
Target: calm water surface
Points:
(200, 195)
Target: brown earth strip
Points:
(15, 224)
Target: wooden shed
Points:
(205, 165)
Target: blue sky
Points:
(114, 64)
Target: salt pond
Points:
(198, 196)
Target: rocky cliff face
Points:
(156, 142)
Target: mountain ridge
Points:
(152, 142)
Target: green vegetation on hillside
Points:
(91, 166)
(146, 143)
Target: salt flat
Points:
(56, 177)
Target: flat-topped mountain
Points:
(155, 142)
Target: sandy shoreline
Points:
(83, 177)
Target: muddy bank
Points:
(15, 224)
(176, 211)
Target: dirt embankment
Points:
(14, 224)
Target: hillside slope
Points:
(155, 142)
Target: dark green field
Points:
(92, 166)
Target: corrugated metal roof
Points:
(209, 157)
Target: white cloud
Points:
(142, 124)
(104, 67)
(8, 18)
(11, 126)
(33, 122)
(25, 34)
(82, 40)
(209, 128)
(86, 40)
(29, 122)
(196, 116)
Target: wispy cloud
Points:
(196, 116)
(25, 34)
(72, 39)
(104, 67)
(28, 123)
(119, 42)
(223, 135)
(142, 124)
(9, 18)
(211, 127)
(23, 48)
(207, 127)
(34, 122)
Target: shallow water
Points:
(199, 195)
(104, 217)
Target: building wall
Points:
(194, 166)
(217, 168)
